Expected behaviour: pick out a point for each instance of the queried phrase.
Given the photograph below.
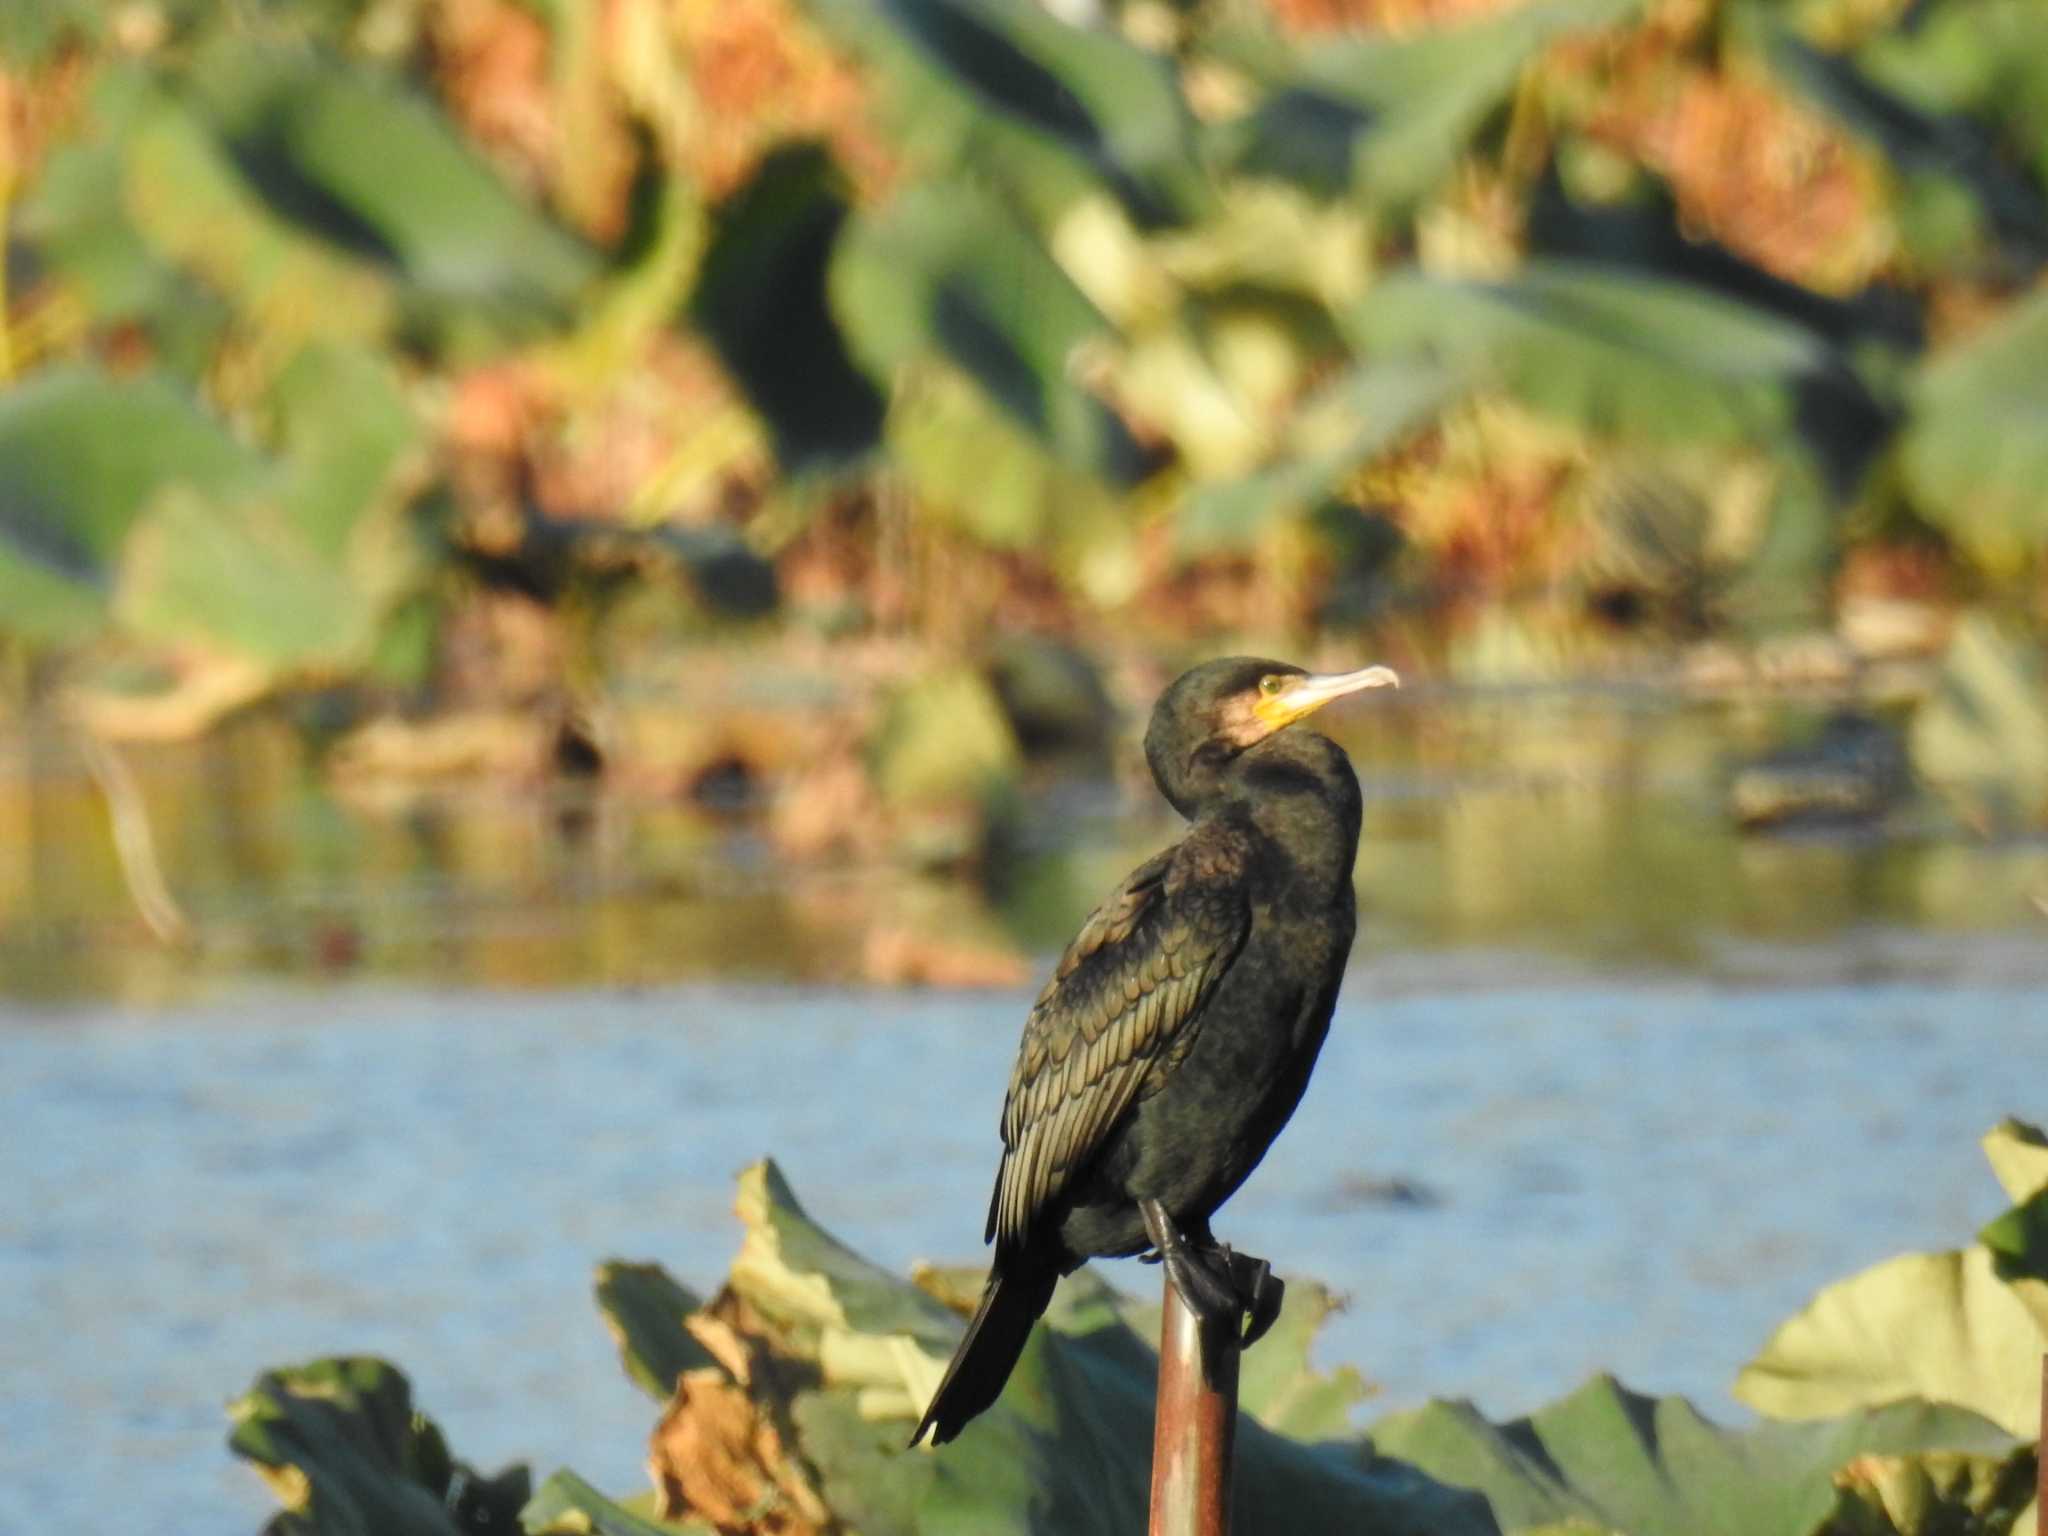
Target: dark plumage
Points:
(1179, 1029)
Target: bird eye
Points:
(1271, 684)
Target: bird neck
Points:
(1297, 788)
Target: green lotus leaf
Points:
(2018, 1244)
(1347, 425)
(761, 299)
(947, 269)
(346, 1452)
(973, 466)
(1389, 116)
(1613, 1460)
(644, 1307)
(1605, 349)
(1939, 1326)
(1107, 107)
(944, 737)
(2018, 1153)
(1933, 1494)
(1068, 1448)
(199, 212)
(1975, 450)
(81, 455)
(300, 572)
(565, 1505)
(369, 166)
(865, 1325)
(1983, 734)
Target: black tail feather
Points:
(1016, 1296)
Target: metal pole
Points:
(2040, 1460)
(1195, 1430)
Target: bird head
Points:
(1210, 714)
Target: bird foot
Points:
(1205, 1286)
(1225, 1289)
(1260, 1293)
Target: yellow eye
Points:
(1271, 684)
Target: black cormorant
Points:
(1179, 1028)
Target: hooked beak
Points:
(1310, 692)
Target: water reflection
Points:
(1592, 825)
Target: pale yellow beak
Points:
(1306, 694)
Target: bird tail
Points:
(1012, 1301)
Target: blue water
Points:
(1641, 1178)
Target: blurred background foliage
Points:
(897, 390)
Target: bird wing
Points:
(1127, 988)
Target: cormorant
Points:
(1179, 1028)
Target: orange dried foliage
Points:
(1215, 594)
(831, 562)
(1397, 16)
(501, 648)
(1958, 308)
(827, 809)
(1769, 178)
(1904, 572)
(34, 110)
(762, 74)
(905, 955)
(601, 460)
(1486, 531)
(494, 415)
(514, 431)
(491, 68)
(718, 1454)
(715, 1457)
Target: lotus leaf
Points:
(354, 157)
(565, 1505)
(1975, 451)
(1966, 1328)
(1611, 351)
(80, 456)
(300, 571)
(646, 1309)
(1068, 1447)
(944, 737)
(2018, 1153)
(948, 269)
(1983, 735)
(1353, 421)
(341, 1444)
(1932, 1494)
(1955, 149)
(1109, 106)
(1389, 116)
(1940, 1326)
(761, 299)
(1612, 1459)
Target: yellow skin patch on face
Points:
(1282, 699)
(1282, 707)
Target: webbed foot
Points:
(1229, 1290)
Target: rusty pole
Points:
(1194, 1432)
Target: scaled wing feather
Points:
(1132, 983)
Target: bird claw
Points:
(1262, 1293)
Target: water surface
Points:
(1638, 1177)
